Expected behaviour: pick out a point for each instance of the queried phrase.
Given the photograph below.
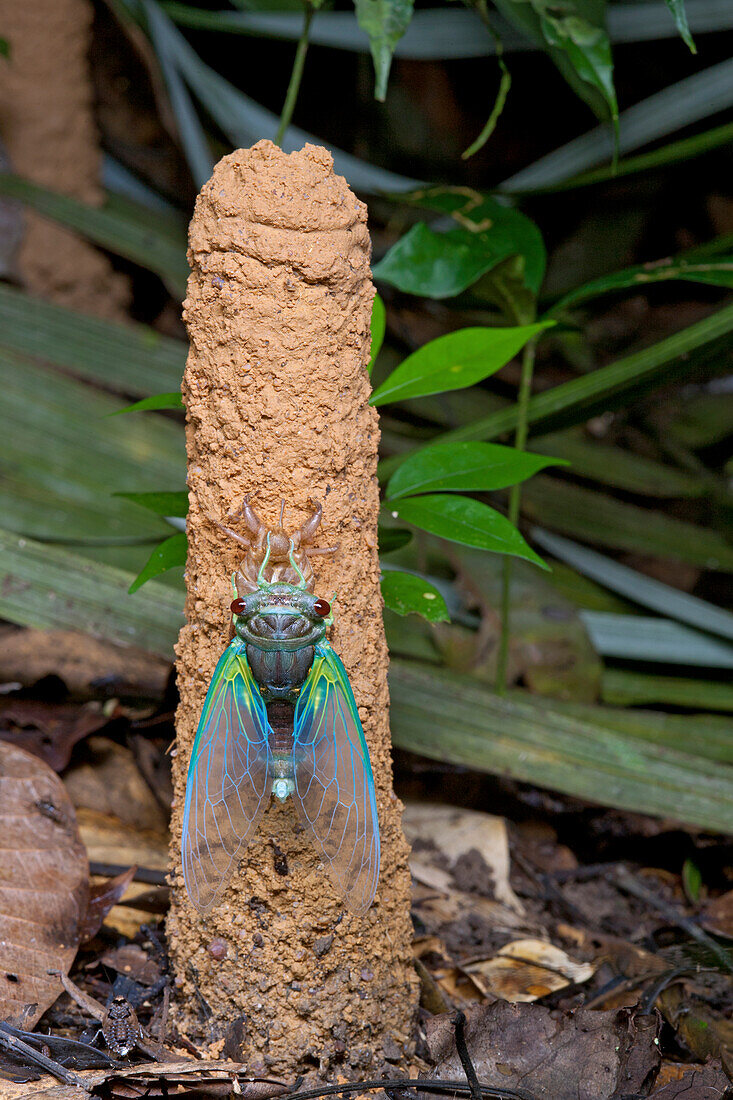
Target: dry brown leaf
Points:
(108, 840)
(456, 832)
(525, 970)
(48, 730)
(575, 1056)
(109, 781)
(44, 883)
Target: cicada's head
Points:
(281, 616)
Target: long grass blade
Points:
(635, 586)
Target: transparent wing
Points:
(227, 790)
(334, 786)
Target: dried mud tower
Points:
(48, 131)
(276, 392)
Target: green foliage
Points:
(169, 554)
(465, 520)
(385, 21)
(155, 403)
(464, 467)
(406, 593)
(455, 361)
(677, 7)
(574, 34)
(378, 328)
(163, 504)
(441, 265)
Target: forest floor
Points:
(558, 943)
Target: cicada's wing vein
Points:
(334, 786)
(227, 790)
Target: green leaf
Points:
(717, 272)
(677, 7)
(158, 401)
(4, 47)
(155, 251)
(462, 519)
(169, 554)
(464, 467)
(566, 747)
(385, 21)
(455, 361)
(405, 593)
(440, 265)
(378, 329)
(574, 34)
(163, 504)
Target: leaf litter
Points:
(563, 933)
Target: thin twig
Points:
(422, 1084)
(296, 75)
(17, 1047)
(459, 1026)
(149, 875)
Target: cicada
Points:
(279, 721)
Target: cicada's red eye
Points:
(237, 606)
(322, 608)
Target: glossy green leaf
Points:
(378, 329)
(385, 21)
(168, 555)
(405, 593)
(463, 467)
(455, 361)
(155, 251)
(560, 746)
(158, 401)
(717, 272)
(576, 397)
(462, 519)
(163, 504)
(677, 7)
(440, 265)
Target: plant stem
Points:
(296, 75)
(520, 442)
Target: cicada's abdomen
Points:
(280, 716)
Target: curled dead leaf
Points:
(44, 884)
(525, 970)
